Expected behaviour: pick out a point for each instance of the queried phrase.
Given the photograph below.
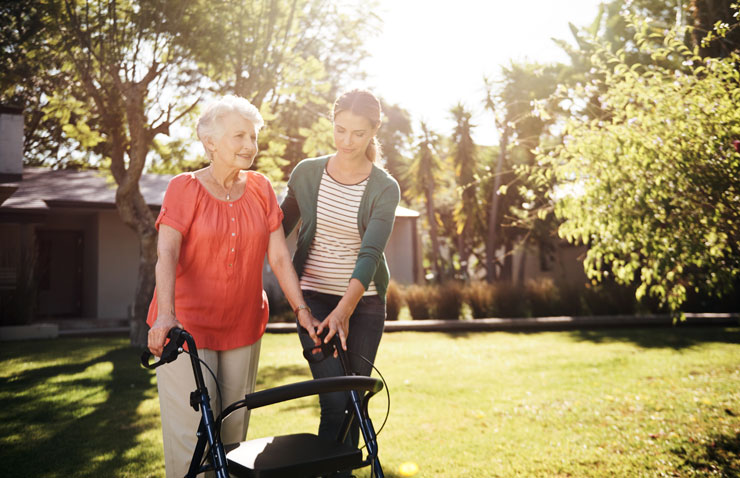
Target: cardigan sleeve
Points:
(377, 233)
(289, 205)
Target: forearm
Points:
(288, 280)
(351, 297)
(165, 276)
(281, 265)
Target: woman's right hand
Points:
(158, 333)
(310, 323)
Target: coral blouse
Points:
(218, 283)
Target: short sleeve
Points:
(178, 205)
(273, 213)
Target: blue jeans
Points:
(365, 330)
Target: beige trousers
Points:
(236, 371)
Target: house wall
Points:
(564, 266)
(117, 266)
(11, 143)
(401, 252)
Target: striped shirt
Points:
(333, 253)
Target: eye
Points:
(360, 134)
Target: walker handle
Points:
(171, 350)
(327, 350)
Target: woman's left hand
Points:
(338, 323)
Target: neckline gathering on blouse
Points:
(210, 195)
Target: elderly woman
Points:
(215, 227)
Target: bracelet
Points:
(300, 308)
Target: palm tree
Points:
(422, 178)
(466, 212)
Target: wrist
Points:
(301, 307)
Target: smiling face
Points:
(352, 134)
(237, 146)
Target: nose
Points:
(346, 140)
(250, 146)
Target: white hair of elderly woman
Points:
(210, 123)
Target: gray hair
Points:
(210, 123)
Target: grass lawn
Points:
(612, 402)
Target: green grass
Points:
(617, 402)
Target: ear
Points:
(209, 144)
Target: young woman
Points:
(347, 206)
(215, 227)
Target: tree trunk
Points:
(144, 289)
(493, 214)
(507, 272)
(434, 237)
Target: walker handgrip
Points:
(171, 349)
(325, 350)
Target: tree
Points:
(289, 58)
(423, 178)
(467, 216)
(517, 205)
(706, 15)
(394, 136)
(653, 190)
(112, 75)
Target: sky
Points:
(433, 54)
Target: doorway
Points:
(60, 262)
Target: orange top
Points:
(218, 282)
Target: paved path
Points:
(543, 323)
(89, 327)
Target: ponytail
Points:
(373, 150)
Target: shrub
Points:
(480, 297)
(609, 298)
(393, 301)
(419, 301)
(447, 301)
(509, 300)
(543, 297)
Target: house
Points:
(64, 226)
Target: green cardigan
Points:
(374, 219)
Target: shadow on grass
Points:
(677, 337)
(719, 456)
(274, 375)
(55, 424)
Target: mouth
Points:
(346, 150)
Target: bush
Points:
(543, 297)
(447, 301)
(393, 301)
(509, 301)
(480, 297)
(418, 299)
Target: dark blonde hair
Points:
(365, 104)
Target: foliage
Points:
(424, 179)
(393, 301)
(419, 302)
(517, 206)
(290, 57)
(467, 209)
(652, 186)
